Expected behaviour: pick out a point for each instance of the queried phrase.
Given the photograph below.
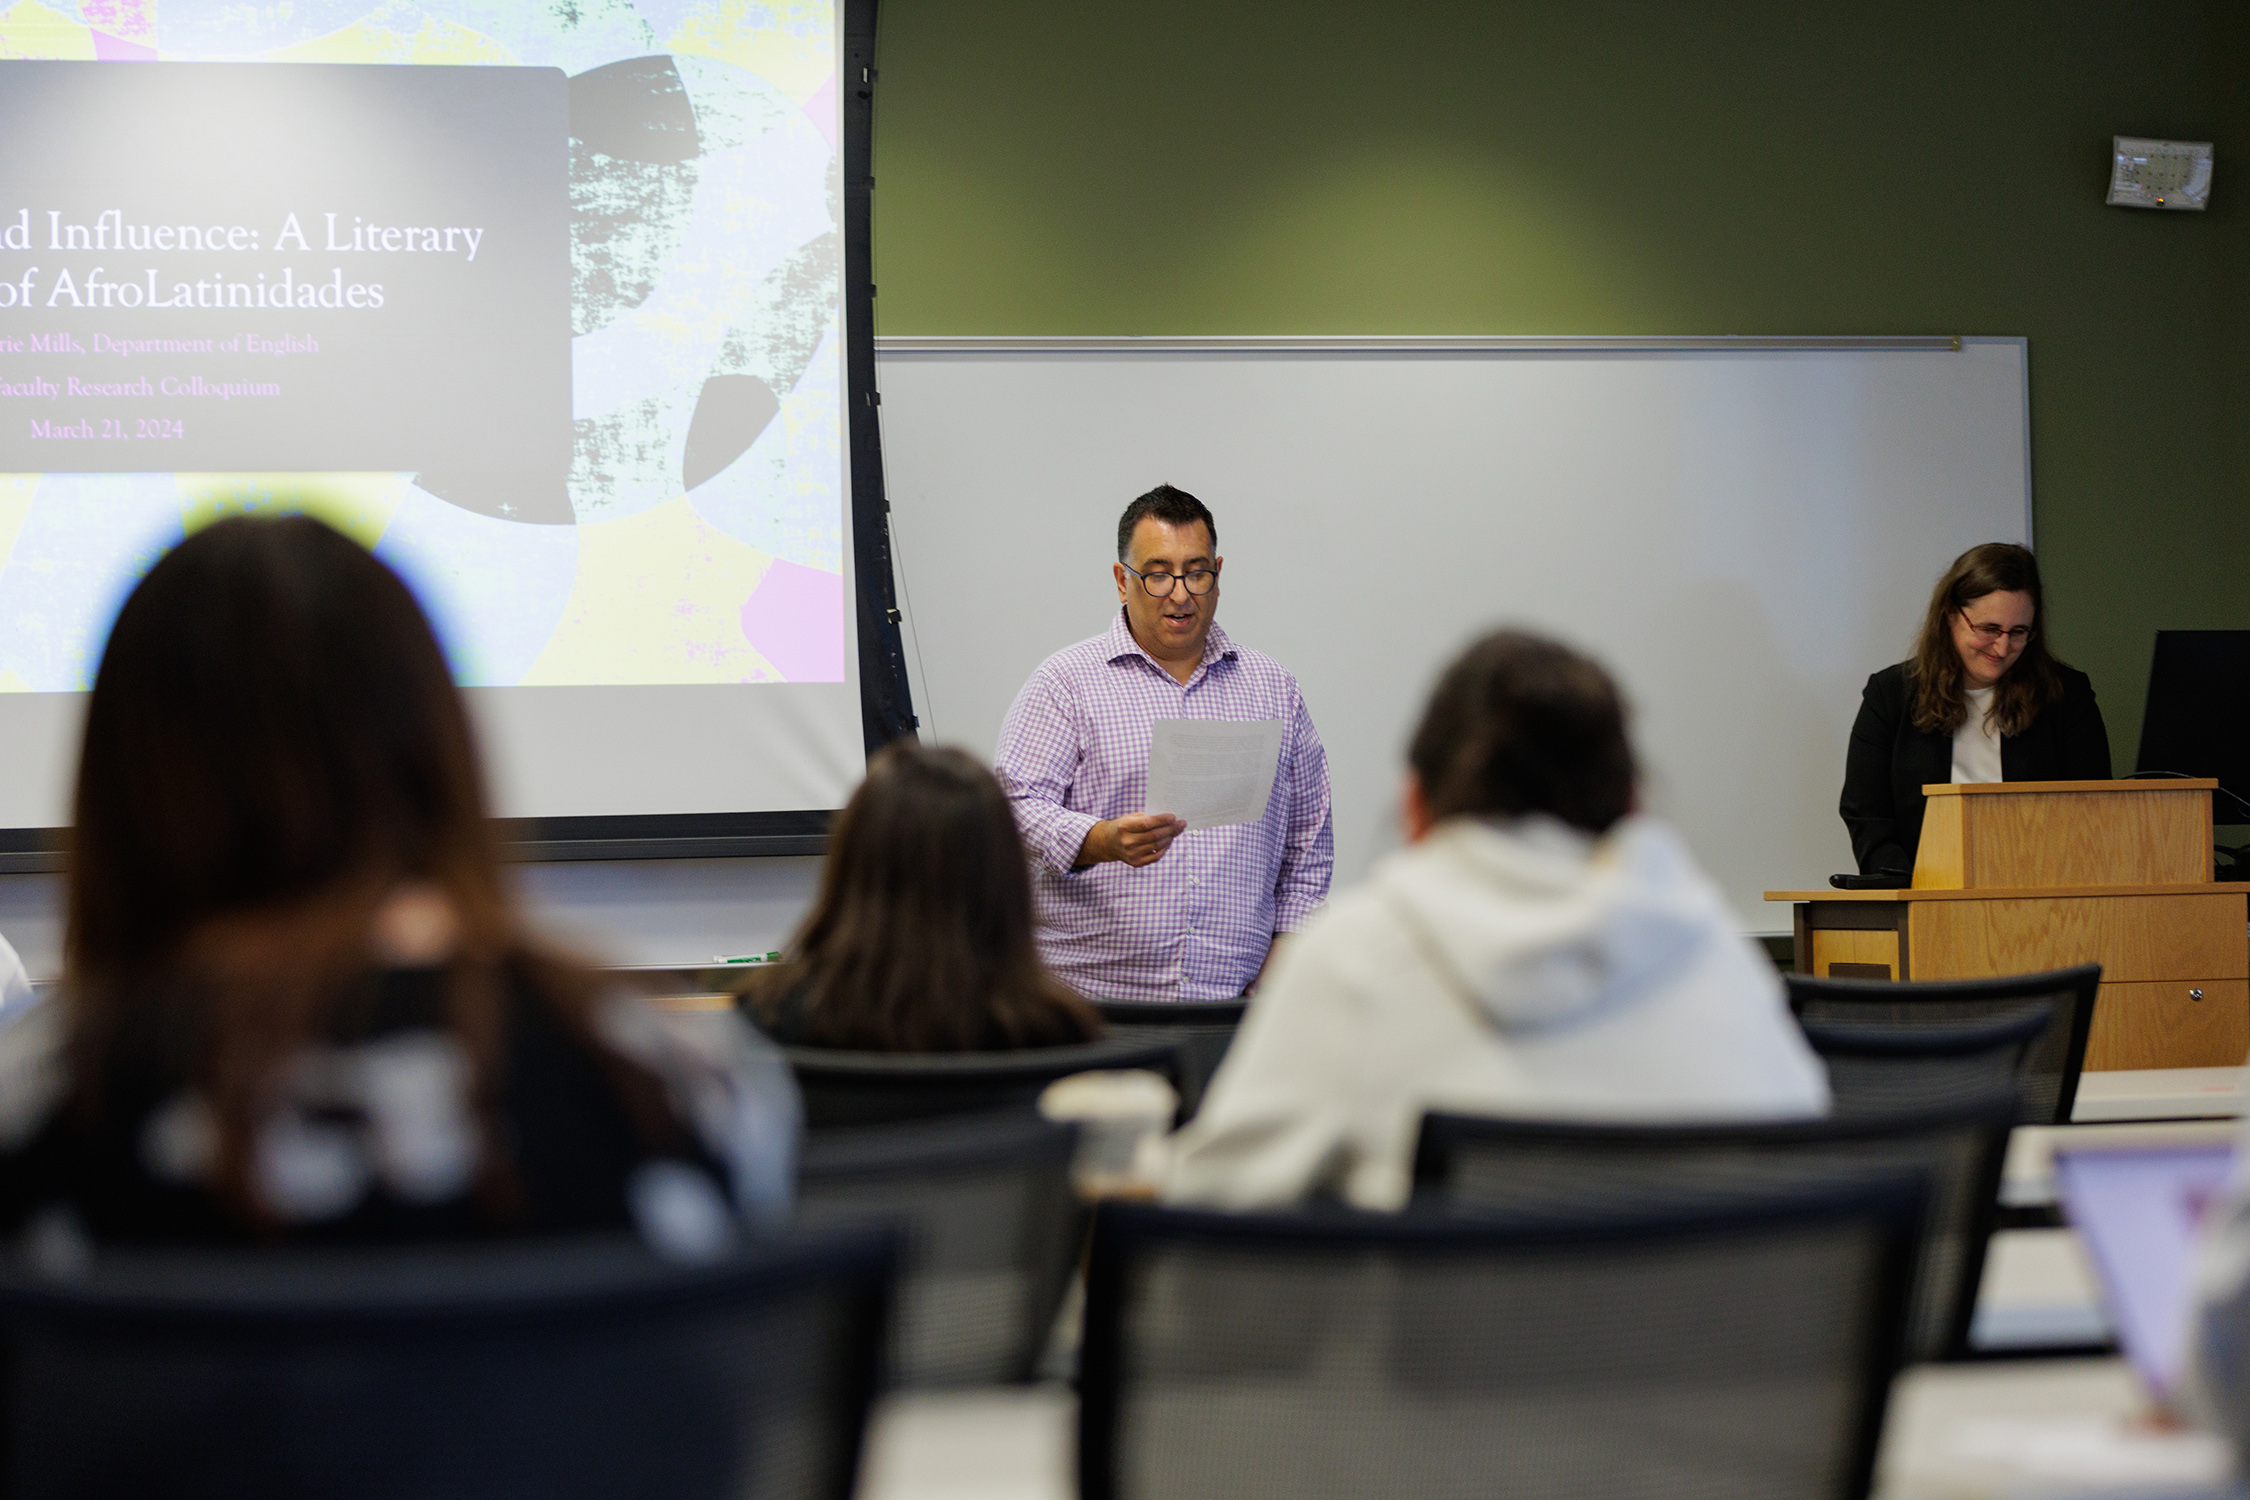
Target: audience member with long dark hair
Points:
(921, 937)
(299, 1003)
(1539, 949)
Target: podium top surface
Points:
(2019, 893)
(2003, 788)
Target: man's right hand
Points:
(1137, 840)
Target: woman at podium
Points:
(1980, 700)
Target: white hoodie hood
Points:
(1517, 968)
(1544, 925)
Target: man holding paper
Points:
(1168, 782)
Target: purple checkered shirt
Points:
(1195, 925)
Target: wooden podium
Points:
(2014, 877)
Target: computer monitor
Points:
(2197, 722)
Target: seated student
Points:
(921, 937)
(1537, 950)
(298, 1004)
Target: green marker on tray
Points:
(753, 958)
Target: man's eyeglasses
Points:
(1198, 580)
(1992, 635)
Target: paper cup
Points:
(1116, 1113)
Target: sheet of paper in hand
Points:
(1212, 772)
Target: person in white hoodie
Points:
(1537, 950)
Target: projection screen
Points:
(543, 304)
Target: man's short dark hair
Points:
(1521, 724)
(1174, 507)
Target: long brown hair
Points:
(1522, 724)
(1934, 673)
(920, 939)
(273, 747)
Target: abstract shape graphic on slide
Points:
(775, 621)
(669, 509)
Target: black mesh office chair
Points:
(1535, 1168)
(1878, 1068)
(2049, 1077)
(1204, 1030)
(842, 1087)
(993, 1233)
(1742, 1353)
(548, 1371)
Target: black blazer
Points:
(1889, 761)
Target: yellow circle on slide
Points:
(792, 47)
(358, 505)
(368, 40)
(658, 599)
(16, 491)
(30, 30)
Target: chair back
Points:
(1743, 1352)
(550, 1370)
(992, 1235)
(1537, 1168)
(1878, 1068)
(1203, 1028)
(842, 1087)
(2050, 1071)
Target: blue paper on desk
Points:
(2140, 1213)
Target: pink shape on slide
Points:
(822, 108)
(108, 48)
(132, 22)
(795, 617)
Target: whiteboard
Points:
(1740, 534)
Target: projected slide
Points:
(544, 310)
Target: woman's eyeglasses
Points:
(1993, 635)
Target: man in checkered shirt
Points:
(1132, 905)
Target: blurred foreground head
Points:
(921, 937)
(273, 736)
(278, 798)
(1520, 724)
(294, 977)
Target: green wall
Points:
(1738, 166)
